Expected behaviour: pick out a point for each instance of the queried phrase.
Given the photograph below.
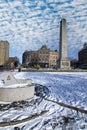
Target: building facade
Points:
(82, 56)
(43, 57)
(4, 52)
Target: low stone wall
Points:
(43, 70)
(16, 94)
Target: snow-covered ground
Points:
(69, 88)
(66, 87)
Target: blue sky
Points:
(28, 24)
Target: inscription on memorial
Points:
(65, 64)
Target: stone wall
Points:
(16, 94)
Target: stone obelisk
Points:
(64, 63)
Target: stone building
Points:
(82, 56)
(4, 52)
(14, 61)
(43, 57)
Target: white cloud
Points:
(29, 26)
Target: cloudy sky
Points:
(28, 24)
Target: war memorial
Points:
(64, 62)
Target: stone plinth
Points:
(16, 94)
(13, 89)
(64, 64)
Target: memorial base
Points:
(64, 64)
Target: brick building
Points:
(43, 57)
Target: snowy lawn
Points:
(66, 87)
(69, 88)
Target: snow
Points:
(13, 82)
(66, 87)
(14, 85)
